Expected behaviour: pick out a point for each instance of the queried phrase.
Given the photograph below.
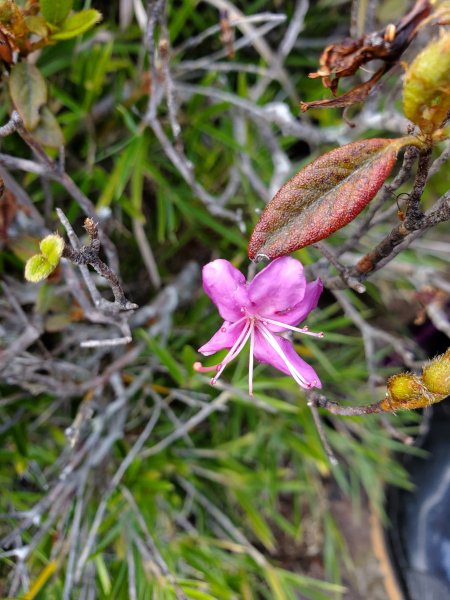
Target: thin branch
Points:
(322, 435)
(320, 401)
(224, 521)
(344, 272)
(186, 427)
(132, 454)
(54, 172)
(88, 255)
(150, 543)
(441, 160)
(146, 253)
(400, 238)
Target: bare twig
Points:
(320, 401)
(147, 253)
(224, 522)
(344, 272)
(132, 454)
(401, 237)
(186, 427)
(88, 255)
(370, 335)
(441, 160)
(53, 171)
(151, 545)
(322, 435)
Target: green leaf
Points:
(165, 357)
(38, 268)
(56, 11)
(324, 196)
(77, 24)
(48, 132)
(256, 521)
(36, 24)
(28, 92)
(103, 575)
(58, 322)
(52, 248)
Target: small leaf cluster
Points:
(49, 21)
(40, 266)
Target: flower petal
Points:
(278, 287)
(227, 288)
(223, 338)
(266, 354)
(299, 312)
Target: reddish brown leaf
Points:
(324, 196)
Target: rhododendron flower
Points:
(261, 311)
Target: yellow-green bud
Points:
(426, 91)
(402, 388)
(436, 374)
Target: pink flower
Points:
(275, 301)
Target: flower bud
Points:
(436, 374)
(426, 91)
(406, 391)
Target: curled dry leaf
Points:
(344, 59)
(324, 196)
(357, 94)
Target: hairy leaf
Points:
(37, 268)
(52, 248)
(56, 11)
(28, 92)
(40, 266)
(324, 196)
(77, 24)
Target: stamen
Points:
(236, 349)
(304, 330)
(251, 359)
(232, 353)
(293, 371)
